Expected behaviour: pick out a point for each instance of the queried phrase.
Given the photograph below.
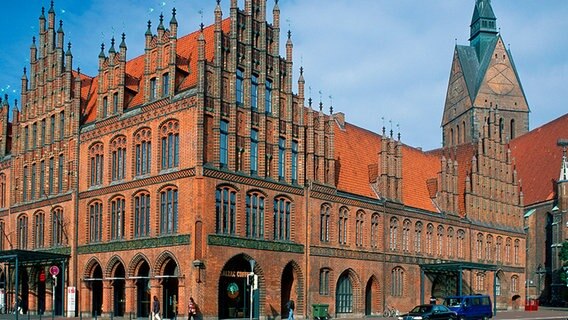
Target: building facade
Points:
(177, 173)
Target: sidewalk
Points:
(542, 313)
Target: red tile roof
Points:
(538, 160)
(356, 149)
(187, 51)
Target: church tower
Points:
(483, 79)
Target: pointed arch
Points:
(135, 263)
(348, 292)
(112, 265)
(90, 267)
(162, 261)
(295, 290)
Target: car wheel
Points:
(485, 318)
(461, 318)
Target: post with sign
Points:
(54, 271)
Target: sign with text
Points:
(71, 301)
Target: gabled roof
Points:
(356, 149)
(538, 160)
(187, 56)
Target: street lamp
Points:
(252, 263)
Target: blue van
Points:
(470, 307)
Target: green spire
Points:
(483, 26)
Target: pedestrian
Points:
(290, 305)
(156, 309)
(191, 309)
(432, 300)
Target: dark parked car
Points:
(429, 311)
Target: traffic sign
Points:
(54, 270)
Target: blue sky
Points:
(376, 58)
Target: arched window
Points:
(324, 281)
(282, 216)
(497, 286)
(393, 234)
(342, 225)
(489, 248)
(450, 242)
(344, 295)
(169, 133)
(225, 207)
(23, 232)
(397, 282)
(95, 222)
(96, 164)
(324, 223)
(143, 151)
(254, 215)
(458, 134)
(480, 281)
(501, 128)
(224, 144)
(169, 211)
(142, 215)
(516, 253)
(118, 158)
(508, 250)
(39, 229)
(406, 235)
(512, 129)
(418, 237)
(499, 249)
(429, 241)
(57, 225)
(359, 228)
(440, 240)
(375, 230)
(117, 218)
(2, 190)
(515, 283)
(2, 233)
(461, 244)
(479, 246)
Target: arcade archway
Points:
(234, 293)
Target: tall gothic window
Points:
(254, 215)
(489, 248)
(61, 125)
(23, 232)
(406, 235)
(50, 176)
(105, 107)
(168, 211)
(143, 151)
(508, 250)
(294, 161)
(282, 212)
(324, 223)
(165, 84)
(2, 234)
(170, 144)
(39, 229)
(254, 93)
(153, 87)
(118, 158)
(516, 253)
(26, 138)
(397, 282)
(440, 241)
(60, 174)
(33, 184)
(375, 230)
(515, 283)
(42, 179)
(239, 87)
(393, 234)
(43, 132)
(115, 103)
(342, 225)
(96, 164)
(418, 237)
(499, 249)
(461, 244)
(324, 281)
(359, 228)
(117, 219)
(141, 215)
(429, 235)
(2, 192)
(25, 184)
(95, 222)
(479, 246)
(224, 144)
(268, 97)
(225, 207)
(34, 135)
(57, 225)
(450, 243)
(281, 157)
(254, 151)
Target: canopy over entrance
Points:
(456, 268)
(17, 258)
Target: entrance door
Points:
(96, 292)
(286, 290)
(170, 290)
(119, 291)
(369, 298)
(41, 291)
(143, 291)
(234, 293)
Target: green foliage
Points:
(563, 255)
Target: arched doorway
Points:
(287, 291)
(344, 294)
(170, 289)
(24, 291)
(119, 292)
(96, 291)
(143, 290)
(234, 293)
(372, 297)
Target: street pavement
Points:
(543, 313)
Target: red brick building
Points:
(177, 173)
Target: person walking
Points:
(191, 309)
(290, 305)
(156, 309)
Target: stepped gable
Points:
(356, 149)
(187, 47)
(538, 160)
